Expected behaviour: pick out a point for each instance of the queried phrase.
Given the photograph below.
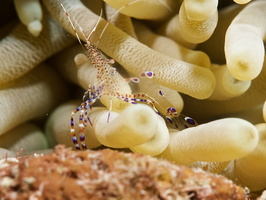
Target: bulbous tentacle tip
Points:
(35, 28)
(264, 111)
(80, 59)
(217, 141)
(242, 1)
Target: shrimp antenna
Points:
(87, 38)
(96, 25)
(123, 7)
(72, 24)
(109, 21)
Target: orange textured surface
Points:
(108, 174)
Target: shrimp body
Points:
(105, 72)
(107, 84)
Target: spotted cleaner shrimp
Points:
(106, 86)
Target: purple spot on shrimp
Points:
(149, 74)
(190, 120)
(160, 114)
(161, 93)
(135, 80)
(74, 139)
(82, 138)
(77, 147)
(169, 120)
(171, 110)
(84, 147)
